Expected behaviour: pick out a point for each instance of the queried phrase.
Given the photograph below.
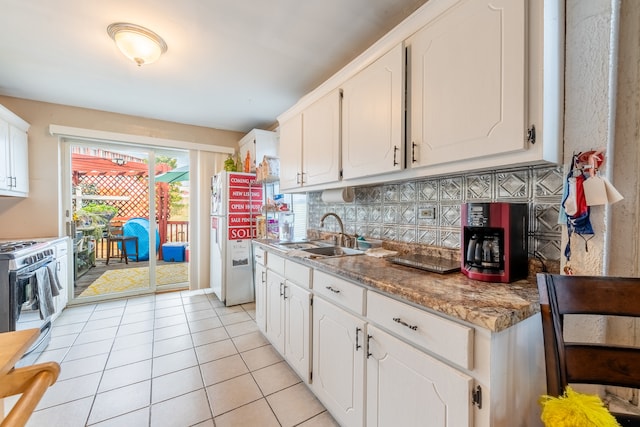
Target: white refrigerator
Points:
(236, 199)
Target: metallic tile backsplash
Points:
(392, 211)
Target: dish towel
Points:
(45, 299)
(54, 280)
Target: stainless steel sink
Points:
(333, 251)
(296, 245)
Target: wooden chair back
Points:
(588, 363)
(116, 229)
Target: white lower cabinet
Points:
(287, 311)
(378, 361)
(62, 271)
(338, 362)
(406, 387)
(297, 346)
(260, 282)
(275, 310)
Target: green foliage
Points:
(176, 203)
(100, 208)
(173, 162)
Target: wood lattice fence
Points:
(128, 193)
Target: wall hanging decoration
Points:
(584, 187)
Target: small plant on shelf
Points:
(95, 216)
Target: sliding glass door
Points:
(128, 218)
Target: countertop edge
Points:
(492, 306)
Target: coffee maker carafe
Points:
(494, 237)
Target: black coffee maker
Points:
(494, 241)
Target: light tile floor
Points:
(174, 359)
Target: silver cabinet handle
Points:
(403, 323)
(284, 293)
(281, 292)
(264, 277)
(358, 346)
(298, 178)
(335, 291)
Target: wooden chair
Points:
(115, 236)
(588, 363)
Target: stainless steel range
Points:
(26, 270)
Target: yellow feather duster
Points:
(575, 409)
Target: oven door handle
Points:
(30, 270)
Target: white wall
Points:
(602, 109)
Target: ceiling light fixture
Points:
(137, 43)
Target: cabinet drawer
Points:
(335, 289)
(61, 249)
(298, 273)
(260, 255)
(276, 263)
(443, 337)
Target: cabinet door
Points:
(298, 329)
(372, 118)
(468, 83)
(275, 310)
(5, 161)
(338, 362)
(291, 153)
(261, 296)
(321, 140)
(62, 269)
(406, 387)
(19, 160)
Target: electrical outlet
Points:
(427, 213)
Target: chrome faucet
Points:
(342, 233)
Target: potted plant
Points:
(107, 212)
(95, 216)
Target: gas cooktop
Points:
(14, 246)
(23, 248)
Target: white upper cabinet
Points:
(321, 140)
(5, 160)
(372, 117)
(468, 83)
(310, 145)
(291, 153)
(14, 155)
(258, 143)
(460, 85)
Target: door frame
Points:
(205, 160)
(66, 145)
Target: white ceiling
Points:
(231, 64)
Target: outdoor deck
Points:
(114, 264)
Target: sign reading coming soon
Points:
(245, 201)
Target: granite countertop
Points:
(493, 306)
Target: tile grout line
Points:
(183, 302)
